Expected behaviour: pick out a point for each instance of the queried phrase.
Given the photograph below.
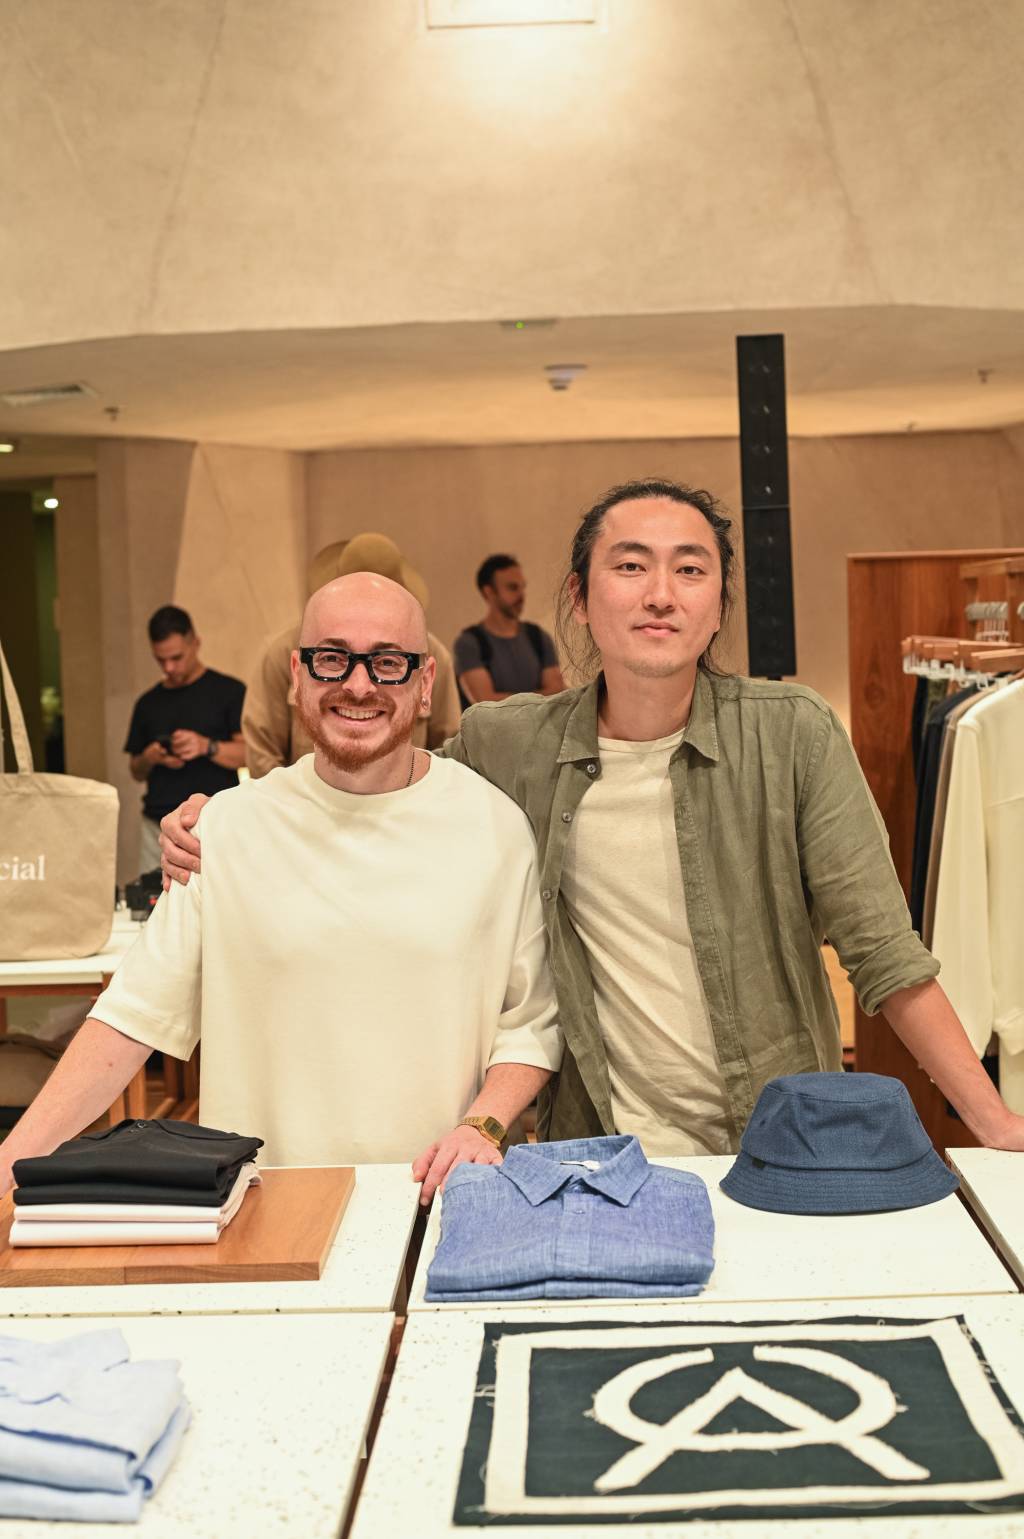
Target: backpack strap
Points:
(536, 639)
(483, 642)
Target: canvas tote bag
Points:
(58, 852)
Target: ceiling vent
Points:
(46, 395)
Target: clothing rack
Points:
(961, 661)
(1006, 572)
(893, 596)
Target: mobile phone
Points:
(165, 743)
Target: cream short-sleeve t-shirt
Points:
(353, 964)
(623, 886)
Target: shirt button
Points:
(547, 895)
(591, 769)
(566, 817)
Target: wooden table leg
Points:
(135, 1094)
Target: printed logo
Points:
(15, 869)
(582, 1423)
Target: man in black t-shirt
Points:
(185, 733)
(504, 655)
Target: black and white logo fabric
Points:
(598, 1422)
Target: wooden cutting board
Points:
(283, 1232)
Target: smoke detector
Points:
(561, 375)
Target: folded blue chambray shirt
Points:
(585, 1218)
(84, 1433)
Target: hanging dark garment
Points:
(927, 786)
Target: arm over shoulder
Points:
(495, 736)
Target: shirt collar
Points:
(537, 1169)
(579, 741)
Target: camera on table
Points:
(141, 895)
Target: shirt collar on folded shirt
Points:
(579, 740)
(540, 1170)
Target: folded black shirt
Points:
(160, 1161)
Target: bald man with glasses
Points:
(363, 956)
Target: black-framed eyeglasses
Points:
(332, 665)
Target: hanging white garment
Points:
(978, 936)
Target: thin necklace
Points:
(412, 766)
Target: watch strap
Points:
(489, 1128)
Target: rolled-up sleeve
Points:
(155, 996)
(849, 874)
(528, 1030)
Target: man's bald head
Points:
(364, 611)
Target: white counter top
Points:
(414, 1470)
(69, 970)
(362, 1273)
(917, 1252)
(280, 1413)
(992, 1182)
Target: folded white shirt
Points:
(124, 1223)
(65, 1235)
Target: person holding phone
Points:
(186, 732)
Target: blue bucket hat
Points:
(836, 1143)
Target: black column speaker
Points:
(764, 464)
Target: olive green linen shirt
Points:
(781, 845)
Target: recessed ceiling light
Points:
(51, 502)
(7, 446)
(534, 323)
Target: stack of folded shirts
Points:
(139, 1183)
(85, 1434)
(113, 1223)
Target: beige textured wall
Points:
(447, 508)
(219, 531)
(285, 163)
(241, 565)
(79, 589)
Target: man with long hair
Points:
(699, 834)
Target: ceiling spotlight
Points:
(561, 375)
(7, 446)
(51, 503)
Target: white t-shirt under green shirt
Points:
(623, 885)
(354, 964)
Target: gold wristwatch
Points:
(490, 1127)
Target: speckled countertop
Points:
(280, 1410)
(362, 1272)
(992, 1182)
(414, 1468)
(921, 1251)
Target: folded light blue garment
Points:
(20, 1499)
(79, 1420)
(583, 1218)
